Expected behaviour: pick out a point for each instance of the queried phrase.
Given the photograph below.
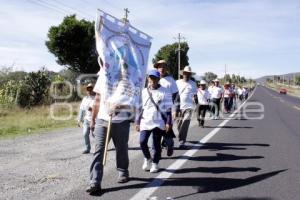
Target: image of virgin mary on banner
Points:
(123, 56)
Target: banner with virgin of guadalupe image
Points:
(123, 56)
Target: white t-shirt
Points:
(227, 92)
(239, 91)
(216, 92)
(169, 83)
(210, 90)
(186, 91)
(117, 98)
(203, 97)
(86, 105)
(151, 118)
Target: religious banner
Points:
(123, 56)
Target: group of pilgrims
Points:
(165, 105)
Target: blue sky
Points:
(253, 37)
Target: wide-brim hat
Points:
(187, 69)
(202, 82)
(90, 85)
(160, 62)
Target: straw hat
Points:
(187, 69)
(160, 62)
(90, 85)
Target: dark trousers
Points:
(227, 103)
(201, 113)
(120, 137)
(157, 134)
(231, 103)
(216, 106)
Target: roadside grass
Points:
(290, 90)
(15, 121)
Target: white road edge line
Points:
(150, 188)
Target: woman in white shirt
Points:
(203, 101)
(85, 116)
(155, 118)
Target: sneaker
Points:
(86, 151)
(154, 168)
(93, 190)
(146, 165)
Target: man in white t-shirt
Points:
(187, 90)
(216, 98)
(167, 81)
(119, 108)
(85, 116)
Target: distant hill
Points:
(286, 77)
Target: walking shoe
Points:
(169, 151)
(86, 151)
(123, 179)
(154, 168)
(146, 165)
(181, 145)
(93, 190)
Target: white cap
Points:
(202, 82)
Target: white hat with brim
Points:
(202, 82)
(216, 80)
(160, 62)
(187, 69)
(90, 85)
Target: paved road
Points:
(252, 155)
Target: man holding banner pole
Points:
(123, 53)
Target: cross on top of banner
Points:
(126, 14)
(126, 24)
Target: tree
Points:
(8, 74)
(170, 54)
(233, 78)
(243, 80)
(209, 76)
(227, 78)
(34, 89)
(73, 44)
(297, 80)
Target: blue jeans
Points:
(86, 134)
(120, 137)
(157, 134)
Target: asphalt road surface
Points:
(252, 154)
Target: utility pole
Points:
(225, 78)
(294, 79)
(126, 15)
(179, 38)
